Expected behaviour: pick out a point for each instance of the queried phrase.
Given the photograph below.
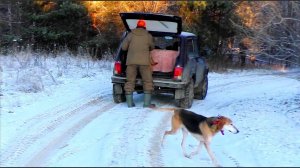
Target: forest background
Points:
(231, 33)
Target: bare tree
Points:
(274, 29)
(108, 11)
(10, 22)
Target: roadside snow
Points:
(59, 112)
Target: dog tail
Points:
(164, 109)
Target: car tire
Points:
(187, 101)
(201, 90)
(118, 98)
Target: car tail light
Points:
(178, 72)
(118, 68)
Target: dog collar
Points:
(216, 122)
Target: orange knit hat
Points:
(141, 23)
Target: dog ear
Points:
(219, 122)
(210, 121)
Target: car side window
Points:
(191, 48)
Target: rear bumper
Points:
(168, 83)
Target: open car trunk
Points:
(165, 30)
(164, 68)
(156, 24)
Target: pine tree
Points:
(56, 23)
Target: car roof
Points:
(187, 34)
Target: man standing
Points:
(139, 43)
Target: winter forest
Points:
(230, 32)
(59, 105)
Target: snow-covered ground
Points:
(60, 112)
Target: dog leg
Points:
(171, 132)
(166, 133)
(184, 134)
(197, 150)
(175, 126)
(207, 146)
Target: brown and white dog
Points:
(201, 127)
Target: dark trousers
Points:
(146, 73)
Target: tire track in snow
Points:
(155, 153)
(59, 109)
(133, 140)
(130, 135)
(40, 157)
(17, 151)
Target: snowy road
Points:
(85, 127)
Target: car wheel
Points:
(187, 101)
(201, 90)
(118, 94)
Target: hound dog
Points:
(201, 127)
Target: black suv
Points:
(180, 71)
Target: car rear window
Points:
(167, 43)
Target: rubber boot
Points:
(129, 99)
(147, 100)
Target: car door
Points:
(195, 64)
(191, 55)
(200, 64)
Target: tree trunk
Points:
(9, 18)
